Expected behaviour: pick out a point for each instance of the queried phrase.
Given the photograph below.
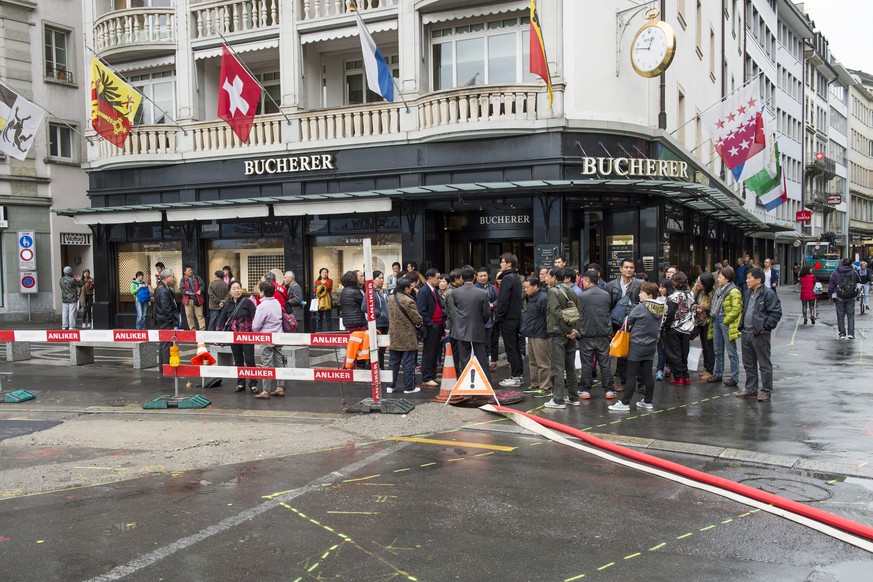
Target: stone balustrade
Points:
(506, 107)
(317, 9)
(213, 19)
(135, 27)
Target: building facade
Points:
(861, 165)
(40, 58)
(471, 162)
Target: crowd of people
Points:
(555, 322)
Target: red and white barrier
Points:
(300, 374)
(336, 340)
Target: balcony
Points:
(821, 166)
(148, 31)
(319, 9)
(455, 113)
(213, 19)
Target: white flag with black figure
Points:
(19, 122)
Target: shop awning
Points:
(204, 211)
(707, 200)
(332, 207)
(122, 217)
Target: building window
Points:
(57, 57)
(271, 95)
(61, 146)
(482, 53)
(159, 97)
(356, 88)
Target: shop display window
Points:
(346, 253)
(248, 258)
(142, 256)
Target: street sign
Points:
(26, 251)
(835, 199)
(28, 282)
(804, 216)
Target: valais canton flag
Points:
(379, 78)
(737, 128)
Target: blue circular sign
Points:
(28, 282)
(25, 242)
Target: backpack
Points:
(846, 288)
(570, 314)
(817, 288)
(143, 295)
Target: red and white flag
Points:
(736, 125)
(238, 95)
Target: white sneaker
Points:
(512, 381)
(850, 336)
(552, 404)
(619, 407)
(645, 405)
(413, 391)
(389, 390)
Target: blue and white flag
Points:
(379, 78)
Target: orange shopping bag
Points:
(620, 344)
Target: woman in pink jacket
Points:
(807, 293)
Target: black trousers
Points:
(676, 347)
(430, 351)
(512, 343)
(708, 348)
(640, 369)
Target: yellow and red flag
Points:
(538, 64)
(114, 104)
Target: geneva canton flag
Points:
(238, 95)
(114, 104)
(19, 122)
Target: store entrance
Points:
(486, 252)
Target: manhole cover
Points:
(792, 489)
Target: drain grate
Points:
(793, 489)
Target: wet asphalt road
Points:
(429, 511)
(426, 511)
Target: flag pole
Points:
(252, 75)
(85, 137)
(149, 99)
(696, 117)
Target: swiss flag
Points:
(238, 95)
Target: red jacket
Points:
(807, 282)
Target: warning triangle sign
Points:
(473, 381)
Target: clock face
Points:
(652, 50)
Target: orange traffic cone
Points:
(450, 378)
(203, 357)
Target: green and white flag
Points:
(19, 122)
(768, 183)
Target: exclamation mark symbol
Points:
(472, 379)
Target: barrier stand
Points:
(175, 401)
(375, 403)
(16, 396)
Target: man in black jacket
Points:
(432, 309)
(761, 312)
(166, 311)
(509, 318)
(596, 329)
(533, 327)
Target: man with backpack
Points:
(562, 320)
(842, 290)
(624, 292)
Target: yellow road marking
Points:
(428, 464)
(683, 536)
(605, 566)
(352, 513)
(632, 556)
(579, 577)
(402, 470)
(658, 547)
(360, 479)
(707, 527)
(484, 454)
(454, 444)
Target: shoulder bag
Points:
(620, 344)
